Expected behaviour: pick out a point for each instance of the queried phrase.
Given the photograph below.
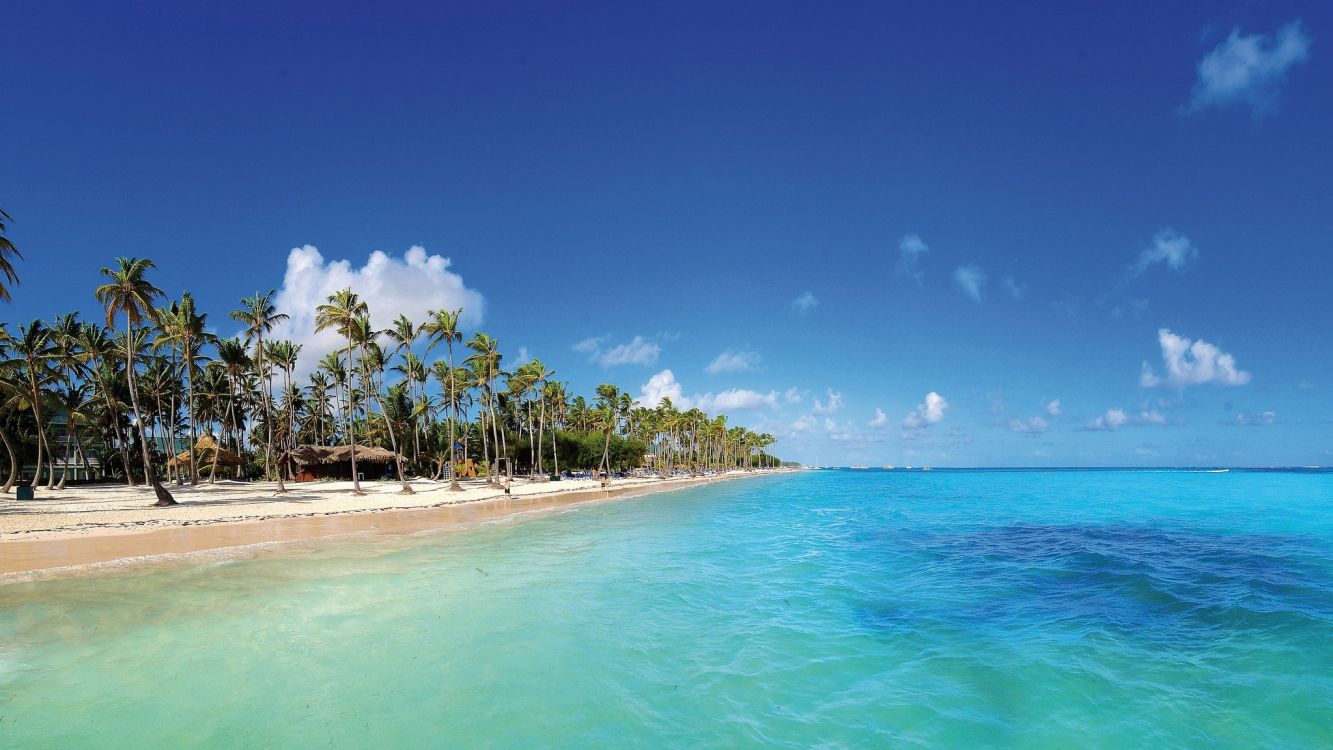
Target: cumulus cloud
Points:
(1167, 246)
(880, 419)
(970, 280)
(734, 361)
(833, 403)
(1053, 407)
(1033, 426)
(927, 413)
(805, 303)
(1111, 421)
(803, 423)
(1248, 69)
(1246, 419)
(391, 286)
(1114, 419)
(1151, 417)
(636, 351)
(910, 250)
(792, 396)
(1192, 363)
(1011, 287)
(664, 385)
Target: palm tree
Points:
(7, 255)
(372, 368)
(186, 328)
(341, 313)
(68, 360)
(34, 352)
(11, 388)
(443, 326)
(283, 355)
(130, 294)
(259, 316)
(486, 361)
(235, 362)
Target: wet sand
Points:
(101, 525)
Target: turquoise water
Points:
(827, 609)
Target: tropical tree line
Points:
(118, 395)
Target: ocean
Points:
(952, 609)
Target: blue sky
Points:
(624, 192)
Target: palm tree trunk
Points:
(164, 497)
(453, 415)
(13, 461)
(267, 383)
(351, 435)
(189, 409)
(69, 440)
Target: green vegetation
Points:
(116, 399)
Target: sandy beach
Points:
(70, 530)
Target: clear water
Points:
(828, 609)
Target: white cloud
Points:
(589, 345)
(792, 396)
(1192, 363)
(880, 419)
(410, 285)
(637, 351)
(910, 250)
(1246, 419)
(1151, 417)
(664, 384)
(833, 404)
(734, 361)
(1248, 69)
(928, 412)
(1011, 287)
(1111, 421)
(805, 303)
(735, 399)
(803, 424)
(839, 432)
(1168, 246)
(659, 386)
(1033, 426)
(1053, 407)
(1114, 419)
(523, 357)
(970, 280)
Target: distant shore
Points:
(81, 527)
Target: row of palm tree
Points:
(150, 375)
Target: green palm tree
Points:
(34, 353)
(185, 328)
(443, 326)
(341, 314)
(486, 363)
(8, 253)
(68, 361)
(372, 369)
(284, 355)
(235, 362)
(128, 293)
(97, 346)
(259, 315)
(11, 388)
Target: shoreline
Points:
(69, 549)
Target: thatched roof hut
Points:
(335, 461)
(205, 449)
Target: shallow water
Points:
(834, 609)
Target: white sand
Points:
(85, 509)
